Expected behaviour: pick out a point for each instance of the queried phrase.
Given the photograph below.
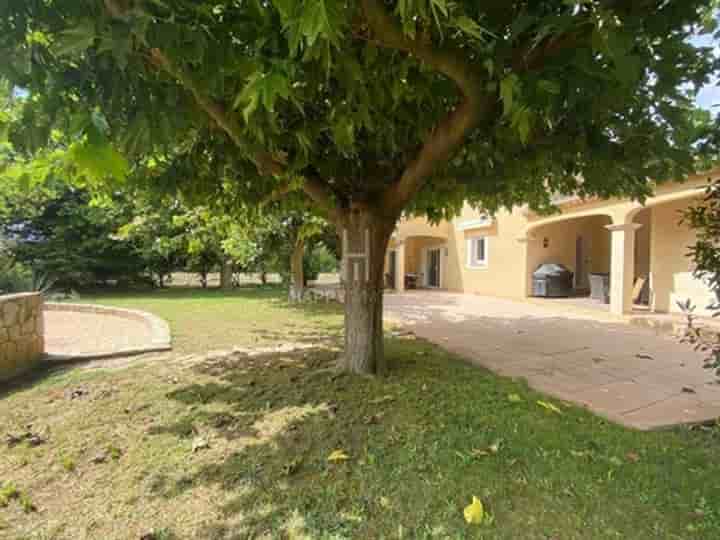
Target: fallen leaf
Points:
(644, 356)
(100, 458)
(633, 457)
(515, 398)
(383, 399)
(495, 447)
(200, 443)
(689, 390)
(474, 512)
(549, 407)
(292, 467)
(338, 455)
(372, 419)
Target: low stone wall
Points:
(21, 333)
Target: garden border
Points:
(161, 339)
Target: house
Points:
(636, 248)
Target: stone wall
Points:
(21, 333)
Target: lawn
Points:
(230, 445)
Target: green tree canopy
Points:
(369, 107)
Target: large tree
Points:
(371, 108)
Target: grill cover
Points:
(552, 279)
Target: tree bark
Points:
(365, 237)
(226, 275)
(297, 276)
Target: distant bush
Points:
(14, 278)
(319, 260)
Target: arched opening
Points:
(580, 244)
(663, 270)
(416, 262)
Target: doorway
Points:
(433, 268)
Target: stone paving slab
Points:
(624, 372)
(78, 331)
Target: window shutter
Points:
(481, 250)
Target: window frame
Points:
(476, 264)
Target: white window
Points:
(477, 252)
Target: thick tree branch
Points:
(321, 194)
(449, 134)
(534, 57)
(264, 161)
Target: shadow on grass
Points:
(277, 416)
(49, 370)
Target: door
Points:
(392, 270)
(433, 268)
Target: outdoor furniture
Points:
(411, 281)
(552, 280)
(600, 286)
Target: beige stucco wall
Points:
(516, 244)
(21, 333)
(503, 275)
(672, 279)
(409, 227)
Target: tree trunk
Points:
(204, 279)
(161, 280)
(297, 276)
(226, 275)
(364, 238)
(263, 277)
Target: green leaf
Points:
(75, 40)
(508, 87)
(98, 161)
(471, 27)
(522, 122)
(551, 87)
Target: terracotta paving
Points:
(626, 373)
(69, 333)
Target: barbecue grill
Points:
(552, 280)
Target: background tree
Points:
(370, 108)
(204, 232)
(58, 230)
(157, 237)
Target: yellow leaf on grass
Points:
(549, 407)
(338, 455)
(474, 512)
(514, 398)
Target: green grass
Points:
(420, 443)
(203, 320)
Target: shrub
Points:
(704, 218)
(14, 277)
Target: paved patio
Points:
(76, 331)
(626, 373)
